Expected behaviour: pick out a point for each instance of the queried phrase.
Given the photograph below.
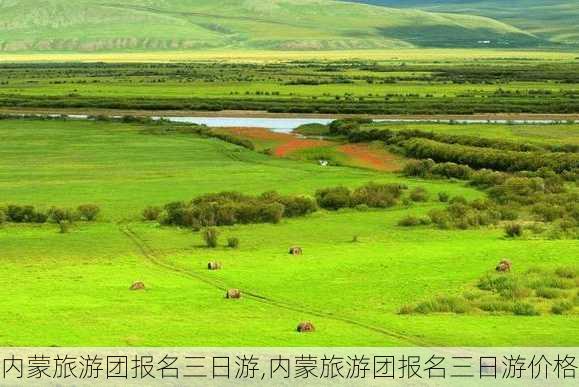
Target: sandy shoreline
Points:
(264, 114)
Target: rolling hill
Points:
(111, 25)
(555, 20)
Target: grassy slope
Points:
(552, 19)
(98, 25)
(82, 277)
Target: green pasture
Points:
(112, 88)
(72, 289)
(560, 133)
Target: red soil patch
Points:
(365, 156)
(283, 143)
(298, 144)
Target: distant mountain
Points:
(554, 20)
(109, 25)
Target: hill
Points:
(555, 20)
(106, 25)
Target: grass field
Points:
(535, 133)
(72, 289)
(260, 56)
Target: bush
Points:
(61, 215)
(298, 206)
(334, 198)
(152, 213)
(418, 168)
(64, 227)
(211, 237)
(561, 307)
(411, 221)
(496, 306)
(566, 272)
(3, 216)
(548, 293)
(524, 309)
(88, 212)
(513, 230)
(440, 218)
(377, 195)
(443, 304)
(233, 243)
(419, 195)
(20, 214)
(443, 197)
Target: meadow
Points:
(359, 267)
(427, 86)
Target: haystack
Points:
(137, 286)
(296, 250)
(504, 266)
(214, 266)
(233, 294)
(306, 326)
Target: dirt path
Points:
(152, 256)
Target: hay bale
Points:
(504, 266)
(214, 266)
(305, 327)
(234, 294)
(137, 286)
(296, 250)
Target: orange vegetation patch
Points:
(298, 144)
(256, 134)
(364, 155)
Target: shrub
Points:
(334, 198)
(211, 237)
(566, 272)
(61, 215)
(233, 243)
(524, 309)
(561, 307)
(152, 213)
(64, 227)
(419, 195)
(513, 230)
(496, 306)
(443, 197)
(406, 309)
(271, 213)
(20, 214)
(377, 195)
(298, 206)
(3, 216)
(88, 212)
(440, 218)
(409, 221)
(418, 168)
(548, 293)
(443, 304)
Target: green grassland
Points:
(428, 86)
(97, 25)
(552, 19)
(72, 289)
(543, 134)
